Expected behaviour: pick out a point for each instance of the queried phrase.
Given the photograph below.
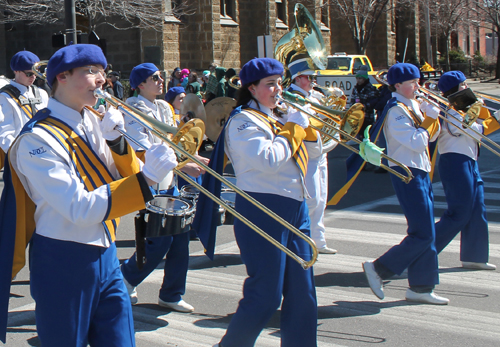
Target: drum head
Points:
(169, 205)
(189, 192)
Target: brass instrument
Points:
(297, 102)
(138, 117)
(189, 136)
(469, 117)
(304, 38)
(184, 143)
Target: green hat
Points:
(362, 72)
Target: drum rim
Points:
(154, 209)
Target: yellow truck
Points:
(341, 72)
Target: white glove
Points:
(496, 114)
(298, 117)
(429, 110)
(160, 160)
(111, 122)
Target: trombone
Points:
(191, 138)
(144, 120)
(469, 117)
(297, 102)
(339, 117)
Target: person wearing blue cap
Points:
(303, 77)
(462, 183)
(146, 79)
(268, 151)
(409, 127)
(19, 100)
(174, 97)
(71, 177)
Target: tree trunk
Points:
(447, 50)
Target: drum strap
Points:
(88, 166)
(26, 105)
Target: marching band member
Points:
(71, 168)
(174, 98)
(462, 183)
(19, 100)
(317, 169)
(409, 127)
(146, 79)
(266, 151)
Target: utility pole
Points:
(428, 40)
(70, 21)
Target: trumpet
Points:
(185, 143)
(297, 102)
(470, 116)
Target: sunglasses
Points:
(155, 78)
(28, 74)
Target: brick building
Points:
(225, 32)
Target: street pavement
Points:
(366, 223)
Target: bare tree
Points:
(361, 16)
(448, 16)
(488, 12)
(121, 15)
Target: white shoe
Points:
(426, 298)
(132, 292)
(374, 280)
(478, 266)
(180, 306)
(327, 250)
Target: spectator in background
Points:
(193, 87)
(117, 85)
(365, 93)
(230, 91)
(216, 86)
(175, 78)
(204, 80)
(184, 78)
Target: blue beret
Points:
(173, 92)
(140, 73)
(23, 60)
(398, 73)
(259, 68)
(73, 56)
(450, 79)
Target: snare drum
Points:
(168, 215)
(190, 192)
(229, 197)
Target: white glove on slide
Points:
(429, 110)
(160, 160)
(298, 117)
(112, 120)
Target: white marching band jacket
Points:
(65, 210)
(161, 111)
(406, 142)
(453, 140)
(12, 119)
(262, 161)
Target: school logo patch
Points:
(244, 126)
(37, 151)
